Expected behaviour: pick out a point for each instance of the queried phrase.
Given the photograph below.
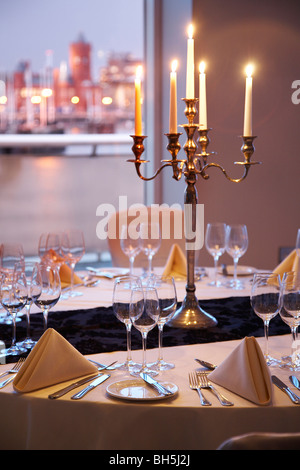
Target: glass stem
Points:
(266, 328)
(13, 317)
(294, 330)
(128, 331)
(160, 342)
(131, 260)
(72, 276)
(28, 307)
(235, 262)
(144, 340)
(45, 316)
(150, 264)
(216, 258)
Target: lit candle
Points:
(202, 97)
(248, 103)
(173, 99)
(138, 101)
(190, 87)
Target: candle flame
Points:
(249, 70)
(202, 67)
(174, 65)
(139, 72)
(190, 31)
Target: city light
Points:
(3, 99)
(36, 99)
(107, 100)
(75, 99)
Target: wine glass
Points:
(42, 245)
(129, 246)
(149, 241)
(73, 249)
(167, 298)
(290, 314)
(34, 285)
(50, 289)
(215, 245)
(121, 305)
(144, 314)
(265, 301)
(14, 295)
(10, 254)
(236, 246)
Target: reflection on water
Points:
(48, 193)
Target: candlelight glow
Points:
(202, 67)
(249, 70)
(174, 65)
(190, 31)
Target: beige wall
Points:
(229, 35)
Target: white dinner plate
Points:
(137, 389)
(111, 272)
(241, 270)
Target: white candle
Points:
(248, 103)
(173, 99)
(190, 86)
(138, 101)
(202, 97)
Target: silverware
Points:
(276, 381)
(102, 366)
(100, 273)
(295, 381)
(204, 383)
(206, 364)
(194, 385)
(78, 383)
(7, 381)
(15, 368)
(90, 387)
(158, 386)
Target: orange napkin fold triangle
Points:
(51, 361)
(64, 271)
(176, 265)
(245, 372)
(290, 263)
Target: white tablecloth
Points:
(33, 421)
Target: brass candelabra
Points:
(190, 314)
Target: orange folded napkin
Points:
(64, 270)
(51, 361)
(290, 263)
(176, 265)
(245, 372)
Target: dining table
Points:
(106, 419)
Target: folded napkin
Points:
(290, 263)
(64, 271)
(176, 263)
(245, 372)
(51, 361)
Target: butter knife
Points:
(281, 385)
(7, 381)
(295, 381)
(206, 364)
(94, 384)
(70, 387)
(158, 386)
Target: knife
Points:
(7, 381)
(208, 365)
(94, 384)
(286, 389)
(67, 389)
(295, 381)
(159, 387)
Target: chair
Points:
(167, 217)
(263, 441)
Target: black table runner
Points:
(98, 330)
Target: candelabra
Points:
(190, 314)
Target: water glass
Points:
(129, 246)
(121, 305)
(73, 249)
(215, 244)
(265, 301)
(10, 254)
(14, 293)
(290, 314)
(167, 298)
(50, 289)
(149, 241)
(236, 246)
(144, 315)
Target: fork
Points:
(204, 383)
(15, 368)
(194, 385)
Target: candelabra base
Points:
(191, 315)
